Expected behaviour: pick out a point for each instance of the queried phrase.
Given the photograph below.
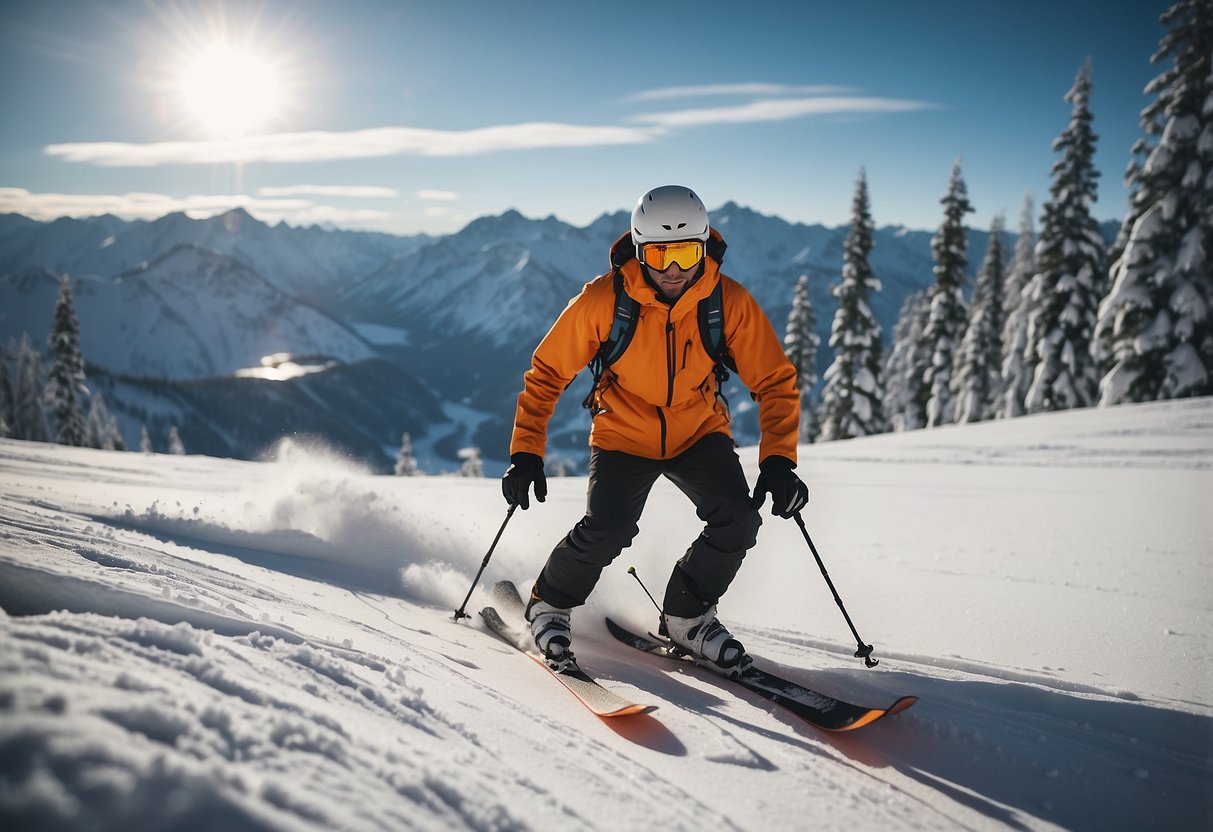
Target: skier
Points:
(658, 410)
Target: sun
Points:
(230, 89)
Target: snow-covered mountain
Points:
(307, 262)
(191, 643)
(508, 276)
(190, 313)
(474, 304)
(500, 278)
(179, 299)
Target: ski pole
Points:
(459, 613)
(865, 650)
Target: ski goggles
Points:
(661, 256)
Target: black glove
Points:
(525, 469)
(788, 493)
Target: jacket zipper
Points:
(671, 357)
(686, 349)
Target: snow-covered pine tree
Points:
(1013, 386)
(98, 415)
(852, 399)
(406, 463)
(1064, 293)
(6, 392)
(1154, 338)
(905, 355)
(66, 382)
(101, 428)
(29, 412)
(472, 464)
(145, 440)
(946, 322)
(976, 381)
(800, 343)
(175, 445)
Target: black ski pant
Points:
(709, 473)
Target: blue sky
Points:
(420, 116)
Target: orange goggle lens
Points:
(660, 256)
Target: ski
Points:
(599, 700)
(824, 712)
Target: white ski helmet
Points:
(668, 213)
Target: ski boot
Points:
(706, 640)
(552, 632)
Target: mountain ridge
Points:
(458, 314)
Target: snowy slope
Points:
(199, 643)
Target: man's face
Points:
(673, 265)
(674, 280)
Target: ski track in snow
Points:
(197, 643)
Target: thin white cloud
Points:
(49, 206)
(150, 206)
(357, 144)
(707, 90)
(780, 110)
(344, 191)
(437, 196)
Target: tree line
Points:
(1065, 321)
(58, 405)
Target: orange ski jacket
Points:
(660, 396)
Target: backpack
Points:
(627, 312)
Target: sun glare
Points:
(230, 90)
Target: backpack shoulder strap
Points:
(623, 326)
(711, 328)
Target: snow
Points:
(194, 643)
(1185, 371)
(281, 366)
(381, 335)
(1192, 253)
(192, 313)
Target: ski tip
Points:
(630, 710)
(877, 713)
(505, 589)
